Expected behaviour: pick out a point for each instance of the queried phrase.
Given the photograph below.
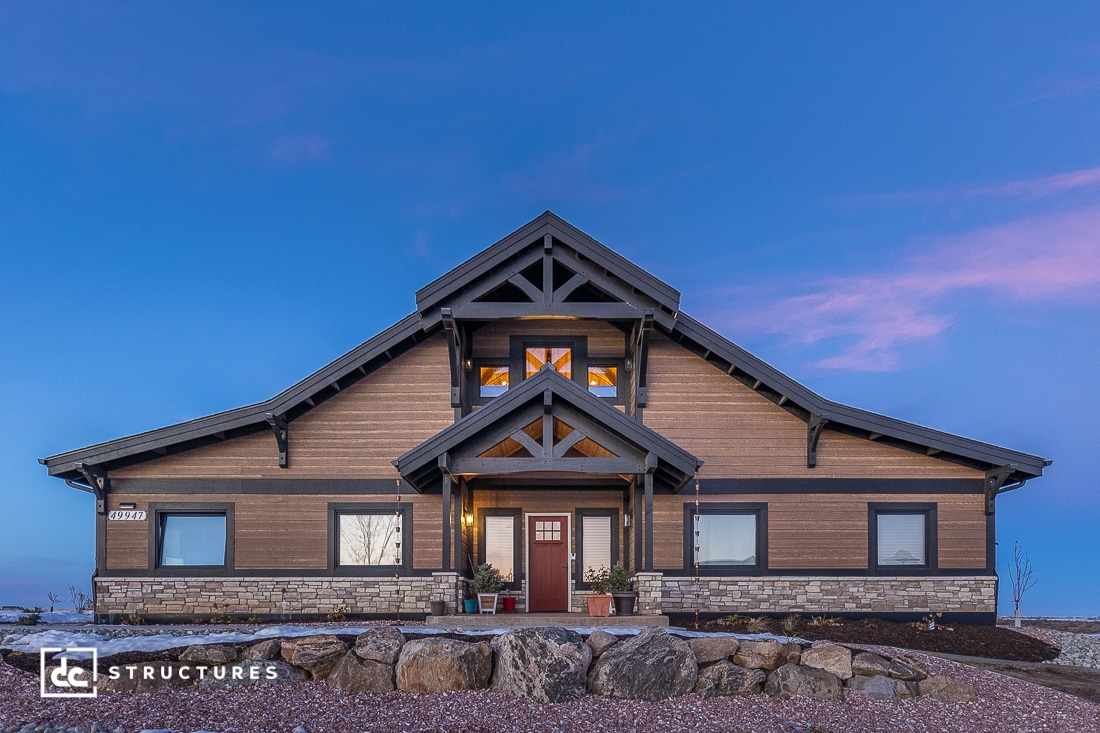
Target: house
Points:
(547, 408)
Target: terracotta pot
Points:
(599, 605)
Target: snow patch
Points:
(49, 617)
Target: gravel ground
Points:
(1005, 704)
(1078, 650)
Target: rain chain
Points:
(696, 550)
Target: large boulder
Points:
(252, 672)
(270, 649)
(650, 666)
(709, 649)
(726, 678)
(829, 657)
(906, 668)
(765, 654)
(876, 687)
(547, 665)
(209, 655)
(866, 664)
(439, 665)
(382, 645)
(315, 654)
(148, 677)
(600, 641)
(355, 674)
(791, 681)
(946, 689)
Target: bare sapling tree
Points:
(81, 601)
(54, 599)
(1021, 575)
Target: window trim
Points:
(517, 541)
(517, 351)
(159, 510)
(337, 508)
(759, 509)
(931, 554)
(473, 383)
(578, 571)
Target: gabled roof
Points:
(627, 290)
(461, 448)
(624, 288)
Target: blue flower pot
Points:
(471, 605)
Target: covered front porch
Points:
(545, 483)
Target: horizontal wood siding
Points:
(604, 340)
(548, 501)
(828, 531)
(275, 532)
(740, 433)
(355, 434)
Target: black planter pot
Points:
(624, 602)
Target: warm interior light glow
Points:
(469, 519)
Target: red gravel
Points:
(1005, 704)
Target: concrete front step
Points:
(509, 620)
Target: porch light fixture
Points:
(469, 519)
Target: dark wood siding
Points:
(352, 435)
(740, 433)
(828, 531)
(275, 532)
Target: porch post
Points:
(649, 514)
(636, 505)
(446, 513)
(456, 513)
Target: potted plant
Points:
(599, 600)
(622, 590)
(486, 586)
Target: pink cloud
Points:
(1052, 259)
(1031, 189)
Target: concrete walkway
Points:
(514, 620)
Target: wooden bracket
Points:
(814, 427)
(281, 428)
(457, 356)
(641, 356)
(994, 484)
(97, 478)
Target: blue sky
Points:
(899, 206)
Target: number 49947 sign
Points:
(126, 515)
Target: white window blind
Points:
(596, 542)
(727, 539)
(500, 544)
(901, 539)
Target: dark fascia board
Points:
(1025, 465)
(64, 464)
(431, 295)
(427, 453)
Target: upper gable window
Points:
(603, 381)
(558, 357)
(492, 380)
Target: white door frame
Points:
(568, 557)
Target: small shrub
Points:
(254, 620)
(824, 621)
(82, 602)
(619, 579)
(757, 625)
(733, 619)
(790, 623)
(487, 579)
(31, 617)
(599, 579)
(134, 619)
(340, 614)
(928, 623)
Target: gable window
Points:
(603, 381)
(369, 538)
(597, 541)
(726, 537)
(901, 536)
(559, 357)
(492, 380)
(194, 540)
(498, 542)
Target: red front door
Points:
(548, 563)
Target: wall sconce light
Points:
(469, 519)
(127, 506)
(626, 520)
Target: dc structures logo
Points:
(68, 678)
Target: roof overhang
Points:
(547, 426)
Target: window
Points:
(559, 357)
(369, 539)
(498, 542)
(603, 380)
(493, 380)
(901, 536)
(726, 537)
(597, 541)
(192, 540)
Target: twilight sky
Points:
(899, 206)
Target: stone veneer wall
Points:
(244, 596)
(797, 594)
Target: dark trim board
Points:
(273, 573)
(374, 487)
(712, 486)
(829, 573)
(687, 620)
